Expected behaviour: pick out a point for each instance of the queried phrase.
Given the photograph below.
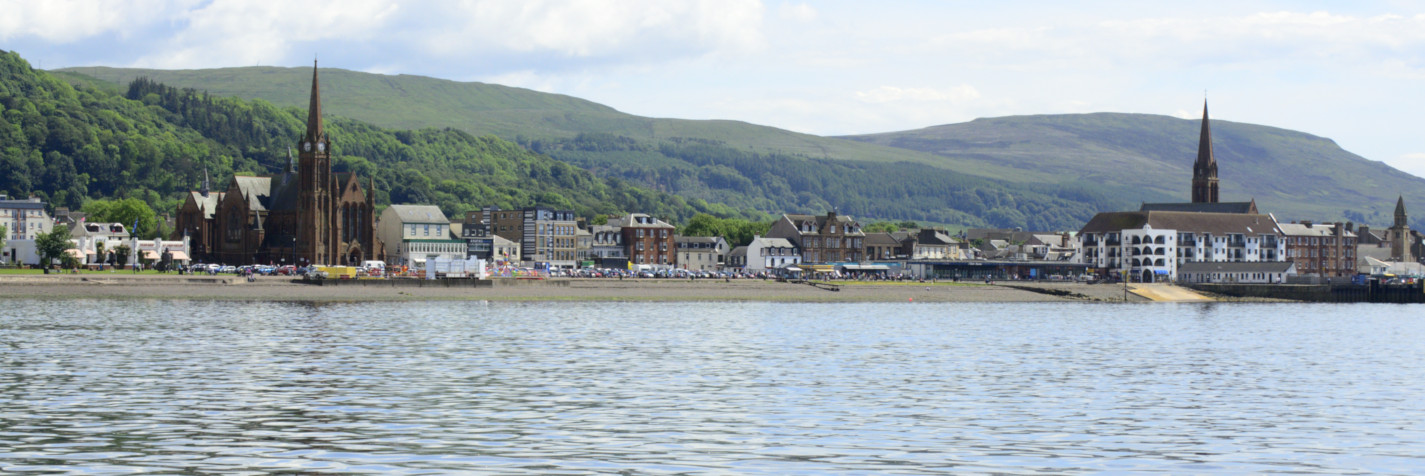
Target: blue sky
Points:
(1350, 71)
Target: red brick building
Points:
(648, 240)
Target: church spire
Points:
(1204, 141)
(1204, 170)
(290, 167)
(314, 110)
(1400, 218)
(206, 184)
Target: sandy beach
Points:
(120, 286)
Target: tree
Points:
(3, 232)
(52, 245)
(125, 212)
(121, 255)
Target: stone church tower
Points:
(314, 172)
(1400, 239)
(1204, 171)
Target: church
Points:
(305, 215)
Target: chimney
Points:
(1307, 223)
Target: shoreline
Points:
(574, 290)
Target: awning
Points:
(822, 268)
(150, 254)
(89, 252)
(178, 255)
(792, 268)
(73, 252)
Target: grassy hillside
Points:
(414, 102)
(1032, 171)
(68, 142)
(1292, 174)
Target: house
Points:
(929, 244)
(1260, 272)
(765, 254)
(827, 239)
(1320, 249)
(23, 221)
(648, 240)
(737, 258)
(882, 246)
(1151, 246)
(416, 233)
(701, 253)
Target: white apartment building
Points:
(1151, 246)
(416, 233)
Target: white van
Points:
(374, 267)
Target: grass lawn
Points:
(7, 271)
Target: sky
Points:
(1349, 71)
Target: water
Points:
(90, 386)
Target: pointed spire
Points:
(290, 167)
(314, 109)
(1400, 217)
(1204, 143)
(206, 184)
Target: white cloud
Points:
(885, 94)
(594, 29)
(66, 21)
(246, 32)
(800, 12)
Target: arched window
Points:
(1137, 263)
(1136, 241)
(1160, 251)
(1158, 240)
(1158, 262)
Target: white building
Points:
(1262, 272)
(770, 253)
(23, 221)
(415, 233)
(1151, 246)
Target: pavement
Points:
(1167, 293)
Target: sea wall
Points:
(1375, 292)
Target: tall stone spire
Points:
(314, 110)
(206, 183)
(290, 166)
(1204, 170)
(1400, 218)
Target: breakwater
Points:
(1374, 292)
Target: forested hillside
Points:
(67, 144)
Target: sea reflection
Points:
(91, 386)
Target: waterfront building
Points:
(882, 246)
(1320, 249)
(767, 253)
(23, 221)
(829, 238)
(417, 233)
(701, 253)
(547, 237)
(736, 259)
(1264, 272)
(306, 214)
(929, 244)
(648, 240)
(1151, 246)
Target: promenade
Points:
(120, 286)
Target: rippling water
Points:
(552, 388)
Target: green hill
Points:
(1291, 174)
(1031, 171)
(67, 142)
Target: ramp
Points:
(1167, 293)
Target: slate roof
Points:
(738, 251)
(881, 239)
(1198, 222)
(255, 190)
(776, 243)
(21, 204)
(1221, 207)
(419, 214)
(1235, 267)
(819, 221)
(712, 240)
(208, 204)
(286, 192)
(1299, 229)
(632, 221)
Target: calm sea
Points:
(92, 386)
